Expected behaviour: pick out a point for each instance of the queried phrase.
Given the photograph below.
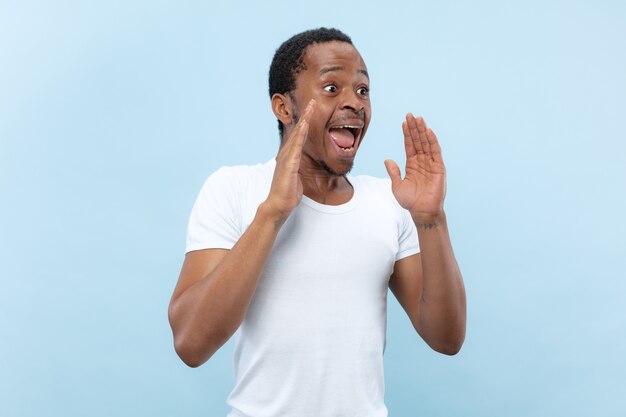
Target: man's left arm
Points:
(428, 285)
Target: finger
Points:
(409, 149)
(414, 132)
(394, 172)
(423, 137)
(298, 136)
(434, 142)
(309, 110)
(304, 128)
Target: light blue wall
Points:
(112, 113)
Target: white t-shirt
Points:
(312, 341)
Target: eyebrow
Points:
(331, 69)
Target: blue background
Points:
(112, 114)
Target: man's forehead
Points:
(333, 56)
(328, 69)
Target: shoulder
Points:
(243, 171)
(240, 175)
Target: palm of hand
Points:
(423, 188)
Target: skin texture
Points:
(336, 78)
(216, 286)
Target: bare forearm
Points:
(207, 313)
(442, 306)
(221, 285)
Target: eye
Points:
(363, 91)
(330, 88)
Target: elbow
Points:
(187, 347)
(190, 361)
(451, 348)
(183, 344)
(188, 354)
(195, 347)
(448, 342)
(452, 342)
(193, 350)
(444, 337)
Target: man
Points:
(296, 255)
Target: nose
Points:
(352, 101)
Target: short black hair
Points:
(289, 59)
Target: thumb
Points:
(393, 171)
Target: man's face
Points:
(336, 77)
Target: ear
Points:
(282, 108)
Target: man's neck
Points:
(326, 188)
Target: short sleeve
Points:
(408, 241)
(215, 220)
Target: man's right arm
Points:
(216, 286)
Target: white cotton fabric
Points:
(312, 341)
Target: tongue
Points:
(342, 137)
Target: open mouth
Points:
(345, 136)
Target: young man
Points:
(296, 255)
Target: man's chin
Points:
(339, 172)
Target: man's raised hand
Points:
(286, 190)
(423, 188)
